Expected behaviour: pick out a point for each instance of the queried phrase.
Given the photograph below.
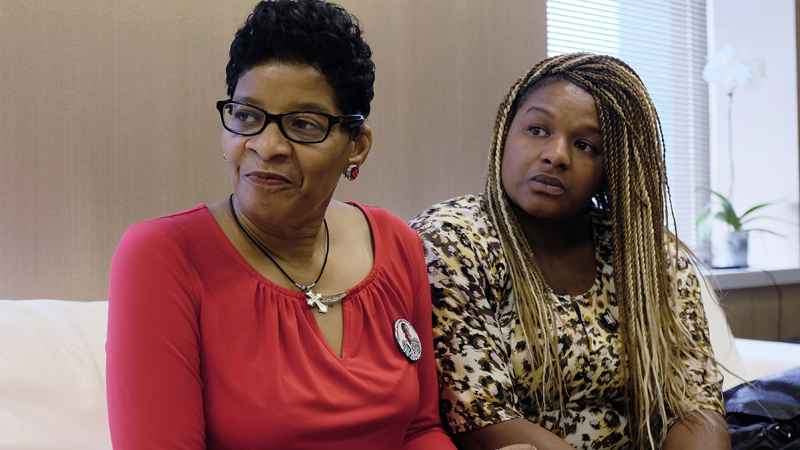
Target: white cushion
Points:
(722, 341)
(767, 357)
(744, 359)
(52, 375)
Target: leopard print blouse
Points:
(486, 373)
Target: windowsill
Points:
(751, 277)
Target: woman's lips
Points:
(267, 179)
(547, 185)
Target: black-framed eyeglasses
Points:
(304, 127)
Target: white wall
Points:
(765, 122)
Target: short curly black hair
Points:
(314, 32)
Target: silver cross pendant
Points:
(315, 299)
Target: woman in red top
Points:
(278, 318)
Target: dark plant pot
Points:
(729, 251)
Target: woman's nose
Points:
(270, 143)
(556, 153)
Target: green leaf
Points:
(754, 209)
(764, 230)
(770, 218)
(730, 219)
(726, 204)
(727, 214)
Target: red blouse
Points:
(205, 353)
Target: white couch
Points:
(52, 375)
(52, 371)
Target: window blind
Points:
(665, 43)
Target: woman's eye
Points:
(536, 131)
(303, 124)
(243, 116)
(584, 146)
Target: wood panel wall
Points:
(107, 118)
(768, 312)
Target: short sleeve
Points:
(704, 376)
(473, 358)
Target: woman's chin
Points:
(547, 209)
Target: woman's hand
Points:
(518, 447)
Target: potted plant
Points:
(730, 250)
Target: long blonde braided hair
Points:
(636, 195)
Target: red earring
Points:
(351, 172)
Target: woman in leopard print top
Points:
(566, 315)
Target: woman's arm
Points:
(473, 354)
(425, 431)
(154, 385)
(515, 431)
(708, 431)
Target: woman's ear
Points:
(362, 143)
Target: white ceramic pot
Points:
(729, 250)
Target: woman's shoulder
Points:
(165, 248)
(170, 231)
(466, 215)
(680, 258)
(383, 222)
(397, 248)
(684, 269)
(459, 232)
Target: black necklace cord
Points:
(303, 287)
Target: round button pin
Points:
(407, 339)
